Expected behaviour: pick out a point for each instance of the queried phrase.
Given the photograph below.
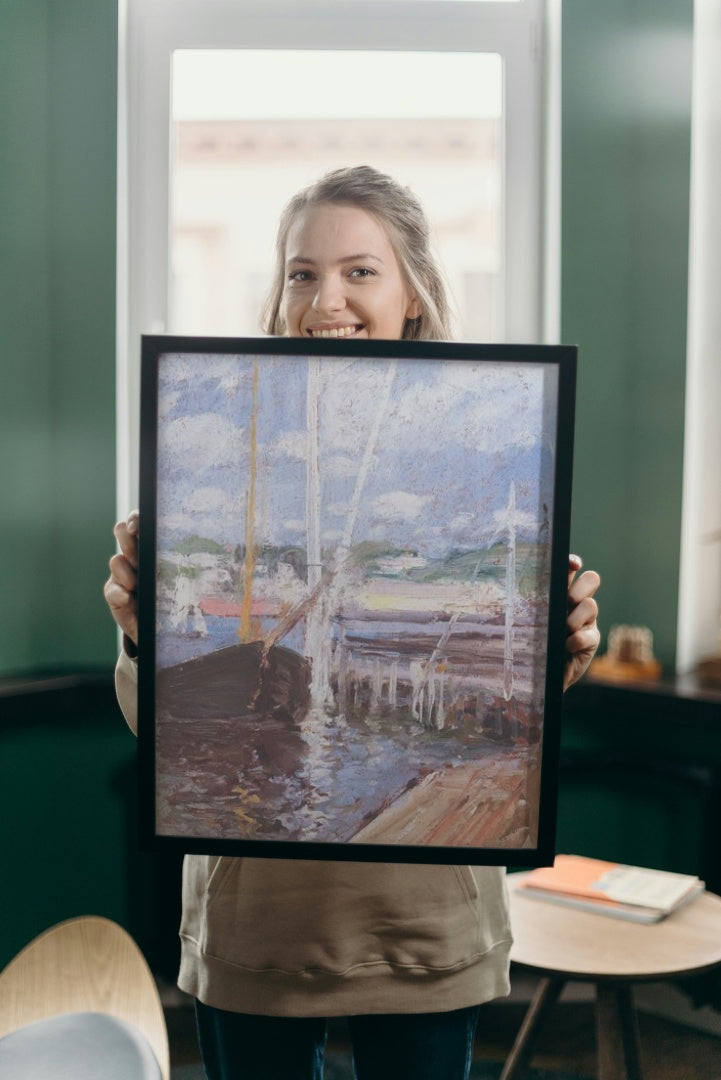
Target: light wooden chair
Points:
(89, 972)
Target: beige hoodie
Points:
(283, 937)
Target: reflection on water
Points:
(262, 779)
(324, 776)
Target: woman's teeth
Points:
(337, 331)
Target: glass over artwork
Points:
(352, 578)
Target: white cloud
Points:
(291, 444)
(229, 384)
(183, 368)
(205, 511)
(294, 525)
(337, 509)
(461, 521)
(485, 406)
(174, 522)
(521, 519)
(207, 436)
(490, 406)
(398, 506)
(211, 501)
(340, 465)
(167, 402)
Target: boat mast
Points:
(510, 595)
(245, 629)
(317, 623)
(312, 497)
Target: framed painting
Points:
(352, 597)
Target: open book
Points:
(608, 888)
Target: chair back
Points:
(87, 964)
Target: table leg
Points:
(617, 1033)
(545, 997)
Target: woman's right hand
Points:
(121, 587)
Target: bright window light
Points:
(434, 121)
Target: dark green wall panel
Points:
(25, 397)
(58, 77)
(68, 798)
(626, 146)
(67, 845)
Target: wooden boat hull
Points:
(239, 680)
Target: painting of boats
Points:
(351, 600)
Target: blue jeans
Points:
(416, 1046)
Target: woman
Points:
(271, 948)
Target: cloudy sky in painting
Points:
(451, 438)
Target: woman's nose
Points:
(329, 296)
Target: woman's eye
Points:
(300, 276)
(362, 272)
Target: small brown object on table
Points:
(563, 944)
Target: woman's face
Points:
(342, 277)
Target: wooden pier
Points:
(493, 805)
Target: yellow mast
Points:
(245, 629)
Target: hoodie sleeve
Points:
(126, 688)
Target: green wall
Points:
(58, 73)
(67, 772)
(625, 200)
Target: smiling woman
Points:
(291, 939)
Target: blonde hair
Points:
(403, 217)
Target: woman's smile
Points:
(334, 331)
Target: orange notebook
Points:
(630, 892)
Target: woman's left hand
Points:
(583, 636)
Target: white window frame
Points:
(526, 34)
(699, 597)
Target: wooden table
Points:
(563, 944)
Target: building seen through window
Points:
(231, 175)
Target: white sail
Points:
(185, 615)
(317, 623)
(319, 618)
(183, 601)
(510, 596)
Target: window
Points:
(235, 161)
(227, 107)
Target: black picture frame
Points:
(353, 572)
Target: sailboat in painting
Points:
(255, 676)
(185, 616)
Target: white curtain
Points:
(700, 581)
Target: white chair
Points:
(80, 1002)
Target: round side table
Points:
(563, 944)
